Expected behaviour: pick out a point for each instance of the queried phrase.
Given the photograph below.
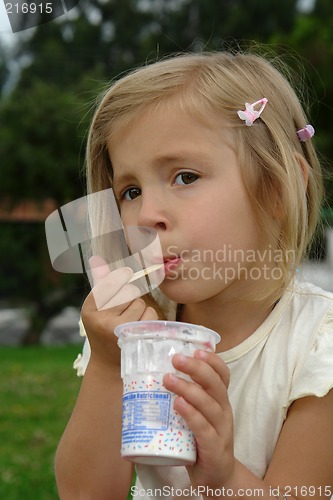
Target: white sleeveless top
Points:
(288, 357)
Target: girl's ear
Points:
(305, 168)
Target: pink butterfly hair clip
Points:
(306, 133)
(249, 115)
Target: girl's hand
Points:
(206, 408)
(111, 302)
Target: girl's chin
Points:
(185, 291)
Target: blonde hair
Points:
(269, 152)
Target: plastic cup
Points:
(153, 432)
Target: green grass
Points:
(38, 388)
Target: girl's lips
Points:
(170, 264)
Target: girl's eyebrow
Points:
(180, 158)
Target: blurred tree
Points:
(40, 143)
(103, 39)
(109, 37)
(3, 67)
(40, 156)
(212, 24)
(312, 40)
(28, 279)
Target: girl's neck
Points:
(235, 321)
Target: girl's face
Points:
(181, 177)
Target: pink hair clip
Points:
(306, 133)
(250, 114)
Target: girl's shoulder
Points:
(306, 289)
(307, 317)
(310, 318)
(309, 305)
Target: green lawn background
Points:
(38, 389)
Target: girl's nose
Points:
(154, 211)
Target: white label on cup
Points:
(145, 411)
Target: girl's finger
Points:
(149, 314)
(120, 301)
(205, 375)
(218, 365)
(108, 286)
(134, 311)
(211, 441)
(203, 430)
(99, 268)
(198, 398)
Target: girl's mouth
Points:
(170, 264)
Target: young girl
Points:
(214, 152)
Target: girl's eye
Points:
(186, 178)
(131, 193)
